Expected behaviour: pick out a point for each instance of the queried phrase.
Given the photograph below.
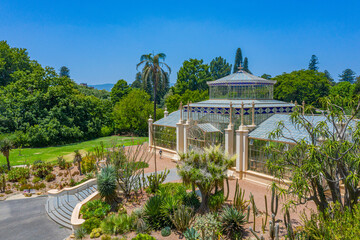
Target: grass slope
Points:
(50, 154)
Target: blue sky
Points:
(102, 41)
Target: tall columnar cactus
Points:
(273, 228)
(274, 202)
(256, 236)
(239, 201)
(288, 225)
(266, 210)
(253, 208)
(248, 214)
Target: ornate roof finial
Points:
(240, 67)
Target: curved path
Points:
(26, 219)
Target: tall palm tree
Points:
(78, 159)
(154, 72)
(5, 148)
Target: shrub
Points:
(166, 231)
(41, 169)
(88, 164)
(105, 237)
(95, 233)
(191, 234)
(107, 184)
(36, 179)
(232, 221)
(207, 225)
(39, 186)
(141, 226)
(95, 208)
(80, 233)
(141, 236)
(15, 174)
(191, 200)
(182, 218)
(3, 168)
(91, 223)
(154, 180)
(216, 201)
(152, 212)
(61, 162)
(118, 224)
(72, 182)
(50, 177)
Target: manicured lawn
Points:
(50, 154)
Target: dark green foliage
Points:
(216, 201)
(64, 72)
(166, 231)
(219, 68)
(95, 208)
(89, 91)
(61, 162)
(80, 233)
(154, 180)
(172, 101)
(191, 234)
(313, 64)
(343, 89)
(347, 75)
(191, 200)
(238, 60)
(2, 183)
(119, 90)
(266, 76)
(141, 236)
(50, 177)
(106, 182)
(152, 211)
(118, 224)
(302, 85)
(90, 224)
(328, 76)
(192, 76)
(232, 222)
(246, 65)
(182, 218)
(41, 169)
(15, 174)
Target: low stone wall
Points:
(76, 221)
(72, 190)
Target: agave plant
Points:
(232, 222)
(152, 211)
(106, 181)
(182, 218)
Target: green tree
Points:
(302, 85)
(266, 76)
(12, 60)
(137, 83)
(64, 72)
(154, 72)
(193, 75)
(328, 76)
(326, 159)
(357, 86)
(120, 89)
(204, 170)
(172, 100)
(347, 75)
(131, 113)
(246, 65)
(238, 60)
(78, 159)
(343, 89)
(5, 148)
(313, 64)
(219, 68)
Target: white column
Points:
(179, 137)
(229, 135)
(151, 132)
(242, 149)
(166, 113)
(186, 127)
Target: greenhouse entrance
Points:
(204, 135)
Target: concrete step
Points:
(59, 220)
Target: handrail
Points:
(76, 221)
(54, 192)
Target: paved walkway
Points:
(26, 219)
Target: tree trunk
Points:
(7, 160)
(204, 206)
(79, 168)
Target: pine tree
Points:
(246, 65)
(238, 60)
(64, 72)
(328, 76)
(266, 76)
(313, 63)
(219, 68)
(347, 75)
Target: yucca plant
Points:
(233, 221)
(182, 218)
(106, 181)
(152, 211)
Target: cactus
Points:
(256, 236)
(228, 189)
(288, 225)
(254, 208)
(274, 201)
(263, 225)
(239, 202)
(277, 231)
(248, 214)
(266, 210)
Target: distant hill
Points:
(106, 86)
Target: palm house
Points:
(239, 115)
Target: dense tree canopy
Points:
(193, 75)
(172, 101)
(343, 89)
(64, 72)
(328, 76)
(119, 90)
(347, 75)
(302, 85)
(219, 68)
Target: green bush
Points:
(232, 222)
(155, 180)
(41, 169)
(216, 201)
(61, 162)
(118, 224)
(166, 231)
(192, 200)
(335, 224)
(105, 237)
(3, 168)
(182, 218)
(95, 233)
(88, 164)
(191, 234)
(91, 223)
(141, 236)
(208, 226)
(152, 212)
(95, 208)
(15, 174)
(106, 181)
(80, 233)
(36, 180)
(50, 177)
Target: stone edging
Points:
(76, 221)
